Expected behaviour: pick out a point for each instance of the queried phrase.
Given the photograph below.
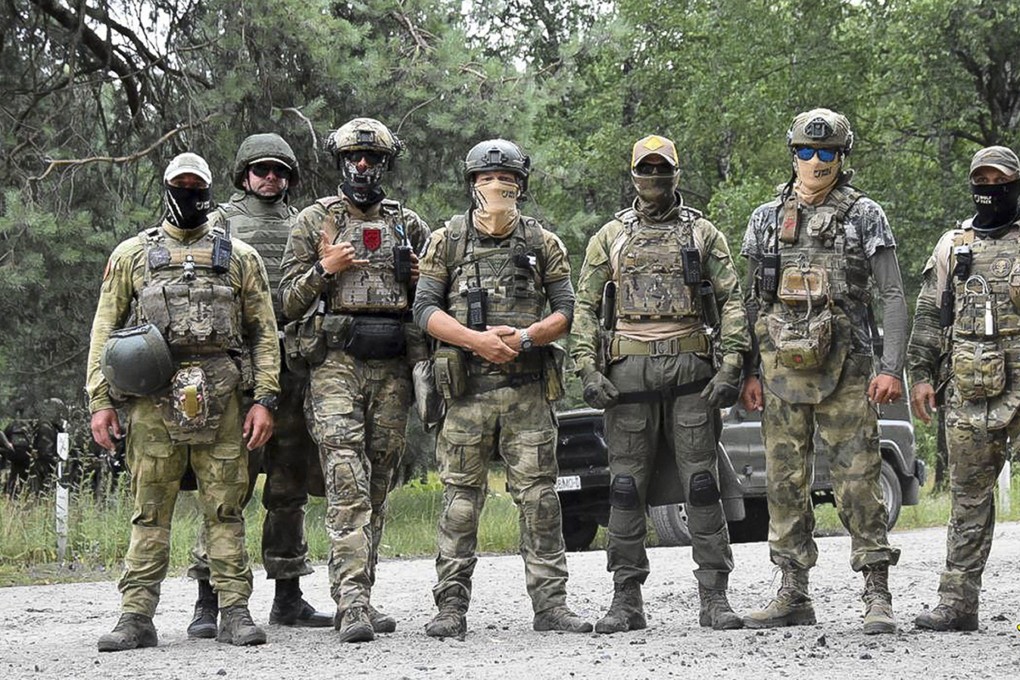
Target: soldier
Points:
(815, 254)
(486, 279)
(669, 283)
(968, 310)
(203, 299)
(349, 272)
(260, 214)
(19, 456)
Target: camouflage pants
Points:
(517, 422)
(291, 463)
(157, 465)
(975, 459)
(634, 431)
(848, 428)
(358, 412)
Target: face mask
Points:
(495, 211)
(996, 205)
(362, 188)
(187, 208)
(656, 193)
(815, 179)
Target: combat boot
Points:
(237, 628)
(878, 613)
(716, 612)
(354, 625)
(381, 623)
(451, 621)
(290, 609)
(203, 624)
(627, 611)
(560, 618)
(131, 632)
(946, 617)
(790, 607)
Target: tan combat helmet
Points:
(821, 128)
(364, 134)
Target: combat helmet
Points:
(136, 361)
(364, 134)
(498, 154)
(264, 147)
(822, 128)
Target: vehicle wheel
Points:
(578, 533)
(755, 525)
(670, 522)
(892, 493)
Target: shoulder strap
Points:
(846, 196)
(533, 240)
(456, 240)
(334, 220)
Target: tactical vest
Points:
(650, 275)
(373, 287)
(265, 226)
(189, 299)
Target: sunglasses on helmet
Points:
(806, 153)
(262, 170)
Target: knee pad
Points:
(704, 490)
(462, 510)
(623, 493)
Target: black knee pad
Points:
(704, 490)
(623, 493)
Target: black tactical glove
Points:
(598, 391)
(724, 388)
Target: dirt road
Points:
(51, 631)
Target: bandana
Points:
(495, 211)
(996, 205)
(656, 194)
(187, 208)
(815, 179)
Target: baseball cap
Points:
(999, 157)
(654, 145)
(186, 163)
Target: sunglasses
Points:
(806, 153)
(654, 169)
(372, 157)
(262, 170)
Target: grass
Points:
(99, 530)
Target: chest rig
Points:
(187, 293)
(265, 226)
(650, 276)
(370, 288)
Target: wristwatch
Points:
(526, 342)
(270, 403)
(321, 270)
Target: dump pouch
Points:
(553, 359)
(980, 369)
(801, 344)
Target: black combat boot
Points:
(716, 612)
(878, 613)
(290, 608)
(627, 611)
(790, 607)
(946, 617)
(381, 623)
(451, 621)
(203, 624)
(237, 628)
(131, 632)
(354, 624)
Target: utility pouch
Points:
(801, 344)
(553, 359)
(450, 372)
(376, 337)
(979, 368)
(190, 398)
(336, 329)
(691, 259)
(768, 284)
(963, 256)
(789, 230)
(417, 346)
(800, 285)
(609, 306)
(292, 357)
(310, 342)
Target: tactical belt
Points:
(665, 394)
(625, 347)
(476, 384)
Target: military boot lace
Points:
(355, 625)
(790, 607)
(878, 612)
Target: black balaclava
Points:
(185, 207)
(996, 206)
(362, 189)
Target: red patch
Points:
(372, 238)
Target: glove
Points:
(598, 391)
(724, 388)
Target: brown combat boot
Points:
(354, 624)
(560, 618)
(131, 632)
(716, 612)
(878, 613)
(203, 623)
(237, 627)
(946, 617)
(381, 623)
(790, 607)
(627, 611)
(451, 621)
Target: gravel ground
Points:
(51, 631)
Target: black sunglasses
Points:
(373, 157)
(262, 170)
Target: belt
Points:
(623, 347)
(665, 394)
(477, 384)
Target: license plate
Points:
(568, 483)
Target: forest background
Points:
(97, 95)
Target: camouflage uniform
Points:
(357, 407)
(659, 342)
(165, 277)
(504, 410)
(840, 236)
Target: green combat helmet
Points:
(364, 134)
(821, 128)
(264, 147)
(136, 361)
(498, 154)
